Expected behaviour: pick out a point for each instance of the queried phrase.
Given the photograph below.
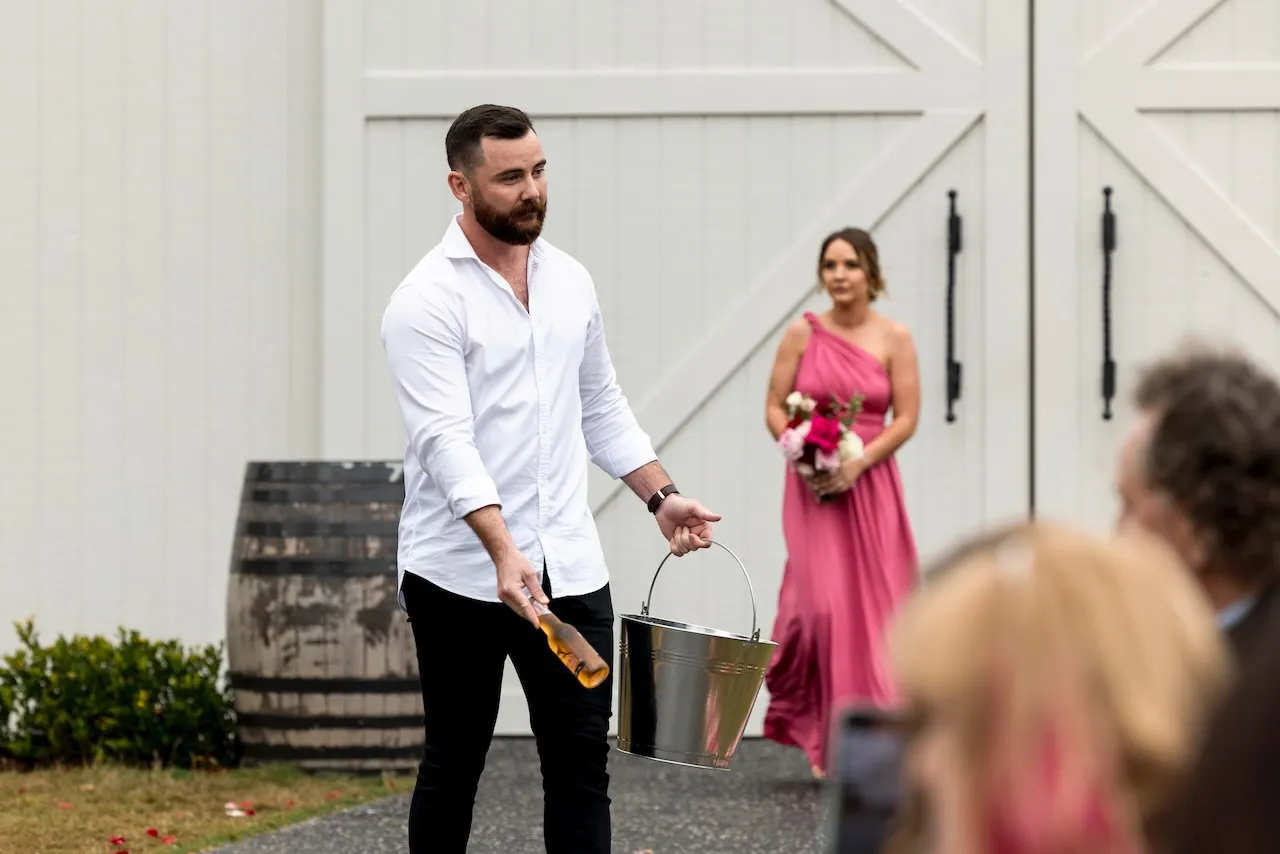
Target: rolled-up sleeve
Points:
(614, 438)
(422, 334)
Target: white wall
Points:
(160, 192)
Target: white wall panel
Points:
(1176, 106)
(159, 285)
(573, 34)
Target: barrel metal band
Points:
(356, 493)
(309, 566)
(340, 685)
(311, 722)
(388, 528)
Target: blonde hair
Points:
(1079, 672)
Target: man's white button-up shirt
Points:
(503, 406)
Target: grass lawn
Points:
(81, 810)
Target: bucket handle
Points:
(755, 631)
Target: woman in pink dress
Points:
(851, 555)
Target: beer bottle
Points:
(571, 647)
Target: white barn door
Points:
(1174, 105)
(698, 152)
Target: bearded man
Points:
(497, 352)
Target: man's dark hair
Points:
(1214, 450)
(462, 142)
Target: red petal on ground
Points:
(151, 831)
(117, 840)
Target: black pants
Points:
(462, 646)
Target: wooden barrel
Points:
(321, 657)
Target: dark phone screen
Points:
(865, 788)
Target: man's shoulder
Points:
(433, 275)
(432, 285)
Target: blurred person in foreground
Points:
(1056, 687)
(1230, 807)
(1200, 469)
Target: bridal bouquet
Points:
(819, 436)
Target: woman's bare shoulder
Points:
(894, 330)
(796, 335)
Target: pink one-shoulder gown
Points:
(850, 563)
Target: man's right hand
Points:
(515, 575)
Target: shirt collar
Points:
(1229, 616)
(456, 244)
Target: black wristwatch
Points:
(660, 496)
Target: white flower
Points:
(803, 429)
(805, 469)
(808, 405)
(791, 444)
(850, 446)
(793, 400)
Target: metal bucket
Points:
(686, 691)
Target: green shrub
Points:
(135, 701)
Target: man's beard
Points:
(515, 226)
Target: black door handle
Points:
(954, 369)
(1108, 247)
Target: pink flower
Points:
(791, 444)
(824, 433)
(827, 460)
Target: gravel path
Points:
(767, 803)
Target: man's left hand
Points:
(685, 523)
